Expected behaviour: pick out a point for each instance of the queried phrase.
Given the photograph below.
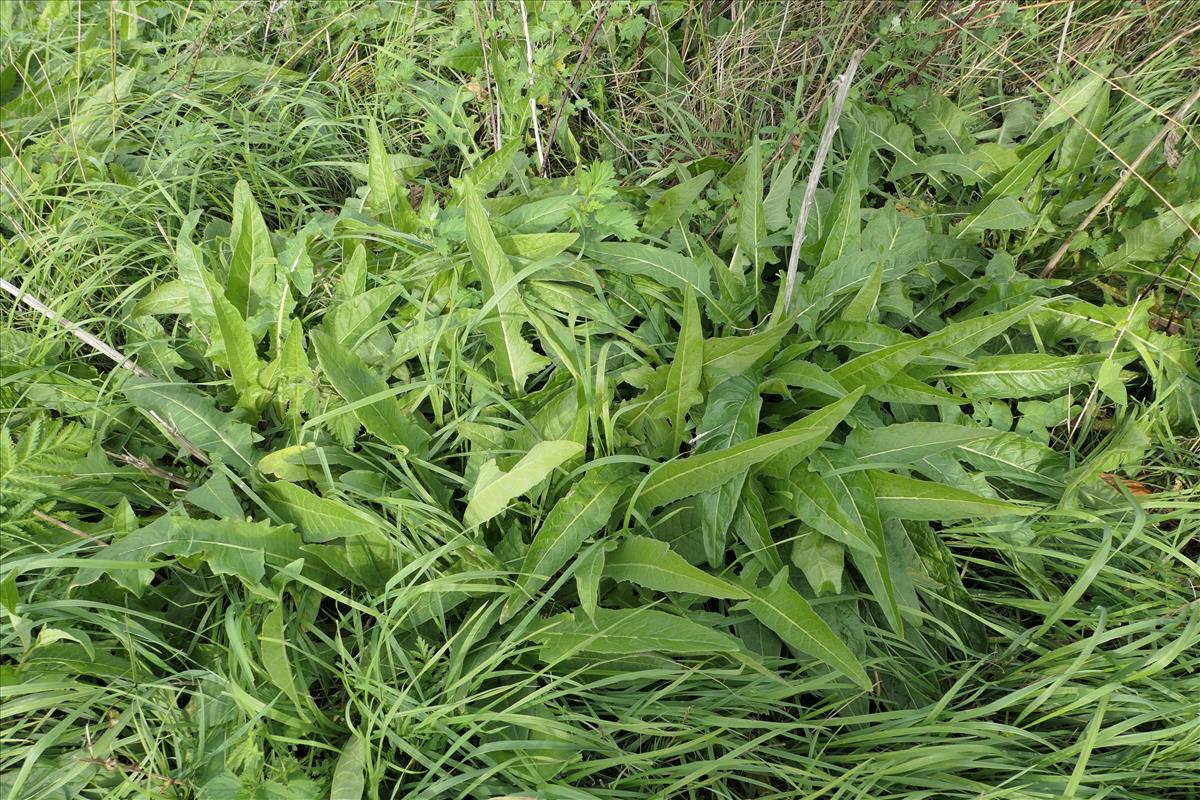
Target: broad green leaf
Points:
(814, 503)
(909, 498)
(387, 198)
(668, 207)
(1006, 214)
(588, 573)
(240, 352)
(250, 243)
(1153, 238)
(273, 643)
(515, 360)
(1072, 100)
(821, 559)
(806, 375)
(197, 283)
(1021, 460)
(170, 297)
(854, 492)
(402, 164)
(964, 165)
(348, 321)
(193, 414)
(775, 207)
(730, 417)
(629, 631)
(782, 609)
(540, 216)
(908, 442)
(374, 405)
(683, 378)
(871, 370)
(1025, 375)
(672, 270)
(228, 547)
(964, 337)
(488, 173)
(845, 226)
(862, 307)
(751, 227)
(584, 510)
(728, 356)
(353, 280)
(1079, 146)
(942, 122)
(682, 478)
(349, 774)
(1013, 184)
(652, 564)
(494, 490)
(537, 246)
(319, 519)
(217, 497)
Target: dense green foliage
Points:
(448, 473)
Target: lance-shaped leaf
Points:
(785, 611)
(494, 489)
(580, 513)
(652, 564)
(900, 497)
(629, 631)
(681, 478)
(515, 360)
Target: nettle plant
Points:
(563, 416)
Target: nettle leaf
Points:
(515, 360)
(194, 414)
(650, 563)
(682, 478)
(785, 611)
(628, 631)
(581, 512)
(494, 489)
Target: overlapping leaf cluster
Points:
(565, 432)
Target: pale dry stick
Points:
(1126, 174)
(1062, 40)
(810, 191)
(583, 54)
(537, 131)
(103, 347)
